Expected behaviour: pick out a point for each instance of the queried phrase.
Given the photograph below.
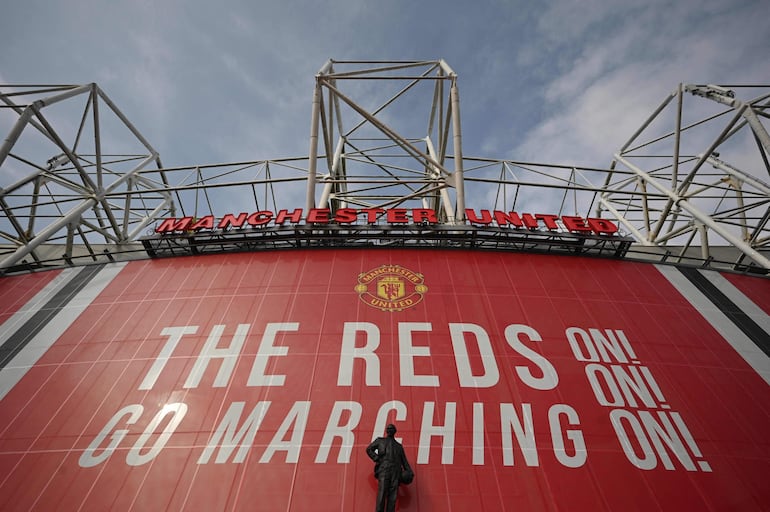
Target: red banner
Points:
(517, 382)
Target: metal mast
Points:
(391, 147)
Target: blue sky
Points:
(556, 82)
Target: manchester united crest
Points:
(391, 288)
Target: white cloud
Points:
(618, 77)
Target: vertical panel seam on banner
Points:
(732, 333)
(68, 306)
(749, 327)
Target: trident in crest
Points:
(391, 288)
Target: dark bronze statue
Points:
(390, 468)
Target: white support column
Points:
(326, 194)
(704, 240)
(436, 176)
(458, 150)
(313, 153)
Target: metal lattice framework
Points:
(73, 184)
(693, 174)
(395, 151)
(384, 135)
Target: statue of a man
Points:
(389, 464)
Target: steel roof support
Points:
(729, 202)
(72, 216)
(385, 157)
(65, 200)
(358, 160)
(705, 219)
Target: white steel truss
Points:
(384, 135)
(693, 176)
(76, 173)
(405, 148)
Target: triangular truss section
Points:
(81, 175)
(695, 174)
(390, 135)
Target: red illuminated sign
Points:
(395, 216)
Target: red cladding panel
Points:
(517, 382)
(16, 291)
(758, 290)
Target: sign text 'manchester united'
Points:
(395, 216)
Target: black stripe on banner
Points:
(35, 324)
(750, 328)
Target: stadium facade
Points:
(232, 336)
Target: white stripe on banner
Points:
(737, 297)
(752, 354)
(14, 323)
(34, 350)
